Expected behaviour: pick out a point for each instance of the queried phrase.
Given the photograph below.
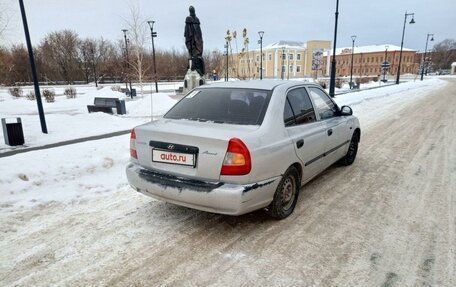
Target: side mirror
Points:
(346, 111)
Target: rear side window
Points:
(223, 105)
(325, 107)
(298, 102)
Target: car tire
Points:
(286, 195)
(350, 157)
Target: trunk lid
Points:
(206, 142)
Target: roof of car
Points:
(255, 84)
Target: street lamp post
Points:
(261, 33)
(402, 44)
(385, 62)
(153, 35)
(227, 58)
(33, 68)
(351, 68)
(128, 63)
(424, 64)
(332, 82)
(283, 63)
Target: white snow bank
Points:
(66, 173)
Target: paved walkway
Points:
(68, 142)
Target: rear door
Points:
(307, 133)
(337, 132)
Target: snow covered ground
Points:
(68, 217)
(91, 168)
(68, 119)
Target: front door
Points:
(308, 134)
(337, 128)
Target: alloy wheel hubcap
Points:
(288, 193)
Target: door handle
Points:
(300, 143)
(330, 132)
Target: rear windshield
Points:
(223, 105)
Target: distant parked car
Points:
(235, 147)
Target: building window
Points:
(258, 58)
(283, 69)
(298, 57)
(291, 69)
(284, 56)
(291, 56)
(298, 68)
(270, 57)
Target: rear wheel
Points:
(349, 158)
(286, 195)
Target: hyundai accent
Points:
(235, 147)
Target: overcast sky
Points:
(374, 22)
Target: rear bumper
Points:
(217, 197)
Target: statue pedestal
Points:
(192, 79)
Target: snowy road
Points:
(387, 220)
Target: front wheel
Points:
(349, 158)
(286, 195)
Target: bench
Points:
(128, 93)
(106, 105)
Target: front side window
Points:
(299, 105)
(222, 105)
(323, 104)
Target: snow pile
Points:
(64, 174)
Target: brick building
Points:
(367, 60)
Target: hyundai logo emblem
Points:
(171, 146)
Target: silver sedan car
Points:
(235, 147)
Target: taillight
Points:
(133, 152)
(237, 159)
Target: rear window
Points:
(223, 105)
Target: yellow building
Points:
(283, 59)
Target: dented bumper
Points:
(217, 197)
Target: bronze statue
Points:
(194, 41)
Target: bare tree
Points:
(173, 64)
(85, 57)
(443, 54)
(214, 60)
(137, 29)
(246, 49)
(61, 50)
(92, 55)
